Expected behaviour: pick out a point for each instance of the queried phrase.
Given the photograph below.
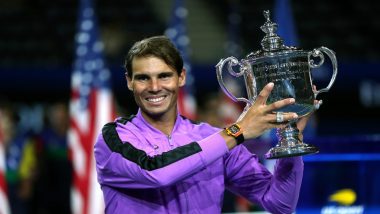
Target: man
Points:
(161, 162)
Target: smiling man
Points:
(157, 161)
(155, 87)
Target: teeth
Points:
(154, 100)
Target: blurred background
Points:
(42, 53)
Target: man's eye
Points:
(165, 76)
(141, 78)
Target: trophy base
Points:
(298, 150)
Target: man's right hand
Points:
(261, 117)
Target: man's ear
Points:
(129, 82)
(182, 78)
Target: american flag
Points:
(91, 106)
(4, 206)
(178, 35)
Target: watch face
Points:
(234, 129)
(236, 132)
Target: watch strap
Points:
(239, 139)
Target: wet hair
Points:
(156, 46)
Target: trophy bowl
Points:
(289, 69)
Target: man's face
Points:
(155, 86)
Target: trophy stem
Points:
(289, 144)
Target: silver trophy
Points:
(289, 69)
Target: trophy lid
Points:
(271, 43)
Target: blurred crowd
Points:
(37, 167)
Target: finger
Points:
(264, 94)
(285, 118)
(317, 104)
(279, 104)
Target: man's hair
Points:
(156, 46)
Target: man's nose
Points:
(155, 85)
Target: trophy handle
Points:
(232, 61)
(331, 54)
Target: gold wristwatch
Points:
(236, 132)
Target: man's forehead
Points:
(150, 66)
(152, 73)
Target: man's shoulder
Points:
(125, 120)
(120, 121)
(119, 130)
(188, 120)
(119, 124)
